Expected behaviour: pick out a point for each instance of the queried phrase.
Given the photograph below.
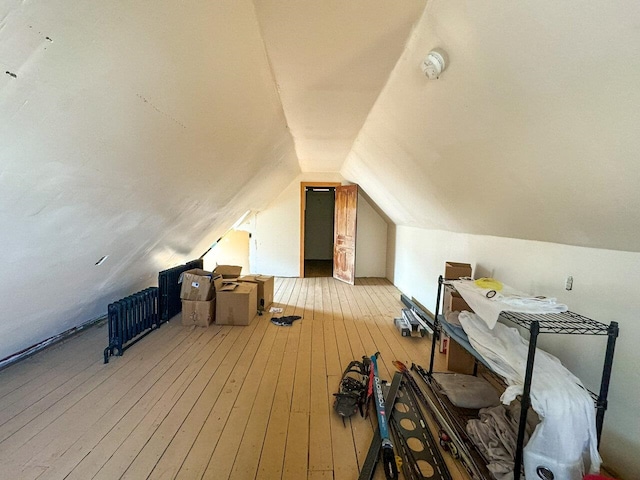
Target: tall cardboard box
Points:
(236, 303)
(455, 270)
(265, 289)
(198, 313)
(197, 285)
(228, 271)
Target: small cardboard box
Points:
(455, 270)
(459, 360)
(197, 313)
(453, 302)
(228, 271)
(197, 285)
(265, 289)
(236, 303)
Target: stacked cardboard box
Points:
(455, 270)
(228, 272)
(198, 292)
(453, 302)
(265, 289)
(236, 303)
(198, 313)
(457, 358)
(223, 297)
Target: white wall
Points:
(606, 288)
(275, 245)
(371, 241)
(232, 249)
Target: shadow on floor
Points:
(318, 268)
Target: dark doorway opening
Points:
(318, 231)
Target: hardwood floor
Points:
(221, 402)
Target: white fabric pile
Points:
(567, 431)
(495, 434)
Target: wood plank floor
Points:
(221, 402)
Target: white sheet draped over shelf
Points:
(568, 430)
(507, 299)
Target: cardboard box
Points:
(236, 303)
(198, 313)
(453, 302)
(455, 270)
(197, 285)
(459, 360)
(228, 271)
(458, 304)
(265, 289)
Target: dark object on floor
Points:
(130, 319)
(285, 321)
(169, 302)
(352, 392)
(414, 442)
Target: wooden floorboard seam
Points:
(218, 403)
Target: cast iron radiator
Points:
(130, 318)
(169, 297)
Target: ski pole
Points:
(388, 455)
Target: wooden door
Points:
(344, 244)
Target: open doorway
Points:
(317, 202)
(318, 231)
(328, 223)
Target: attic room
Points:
(137, 136)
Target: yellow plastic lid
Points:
(489, 284)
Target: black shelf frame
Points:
(566, 323)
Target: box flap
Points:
(228, 271)
(255, 278)
(248, 278)
(228, 287)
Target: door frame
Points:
(303, 207)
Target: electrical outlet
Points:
(568, 284)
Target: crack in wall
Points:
(160, 111)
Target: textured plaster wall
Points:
(606, 288)
(371, 241)
(135, 130)
(232, 249)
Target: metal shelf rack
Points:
(566, 323)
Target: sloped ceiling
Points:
(330, 60)
(143, 130)
(138, 130)
(529, 133)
